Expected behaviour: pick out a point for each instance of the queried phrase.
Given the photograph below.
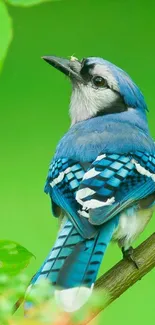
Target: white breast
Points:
(132, 222)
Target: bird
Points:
(101, 180)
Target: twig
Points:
(18, 304)
(124, 274)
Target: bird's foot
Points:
(129, 255)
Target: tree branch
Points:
(124, 274)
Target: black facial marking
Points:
(85, 70)
(118, 106)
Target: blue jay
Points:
(101, 180)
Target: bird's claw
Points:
(129, 255)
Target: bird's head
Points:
(99, 88)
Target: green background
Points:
(34, 100)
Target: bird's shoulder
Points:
(86, 140)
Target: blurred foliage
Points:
(27, 3)
(44, 309)
(11, 289)
(40, 304)
(13, 257)
(6, 30)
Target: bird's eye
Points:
(99, 81)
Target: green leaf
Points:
(40, 292)
(13, 257)
(27, 3)
(5, 32)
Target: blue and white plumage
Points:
(101, 180)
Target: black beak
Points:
(64, 65)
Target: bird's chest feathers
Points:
(131, 223)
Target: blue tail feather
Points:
(82, 265)
(73, 263)
(68, 237)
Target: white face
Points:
(98, 95)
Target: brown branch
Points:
(124, 274)
(18, 303)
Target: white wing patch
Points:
(83, 213)
(142, 170)
(93, 204)
(59, 179)
(91, 173)
(83, 193)
(100, 157)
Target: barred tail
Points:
(73, 264)
(67, 239)
(78, 274)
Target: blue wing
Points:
(64, 178)
(114, 182)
